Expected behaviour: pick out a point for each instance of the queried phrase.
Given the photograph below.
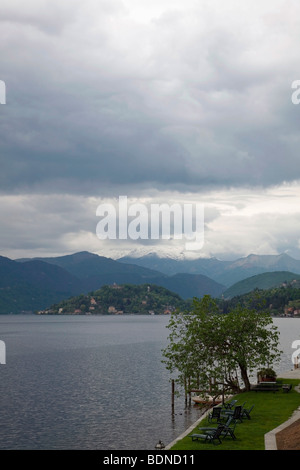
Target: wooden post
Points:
(173, 394)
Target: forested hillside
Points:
(119, 299)
(283, 300)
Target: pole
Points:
(173, 394)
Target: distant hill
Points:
(122, 299)
(282, 300)
(96, 271)
(257, 264)
(224, 272)
(209, 267)
(192, 285)
(34, 284)
(260, 281)
(30, 286)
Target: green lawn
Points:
(270, 410)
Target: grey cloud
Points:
(53, 16)
(181, 102)
(47, 16)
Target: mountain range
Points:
(35, 283)
(226, 273)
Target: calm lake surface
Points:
(92, 382)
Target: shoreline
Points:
(270, 437)
(187, 431)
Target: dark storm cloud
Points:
(97, 100)
(159, 100)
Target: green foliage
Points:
(127, 298)
(267, 372)
(206, 346)
(274, 299)
(268, 280)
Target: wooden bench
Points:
(286, 387)
(265, 387)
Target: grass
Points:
(270, 410)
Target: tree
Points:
(215, 351)
(251, 341)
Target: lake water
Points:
(92, 382)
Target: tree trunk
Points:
(245, 378)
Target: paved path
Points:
(292, 374)
(270, 437)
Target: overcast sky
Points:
(159, 100)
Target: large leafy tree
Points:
(215, 351)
